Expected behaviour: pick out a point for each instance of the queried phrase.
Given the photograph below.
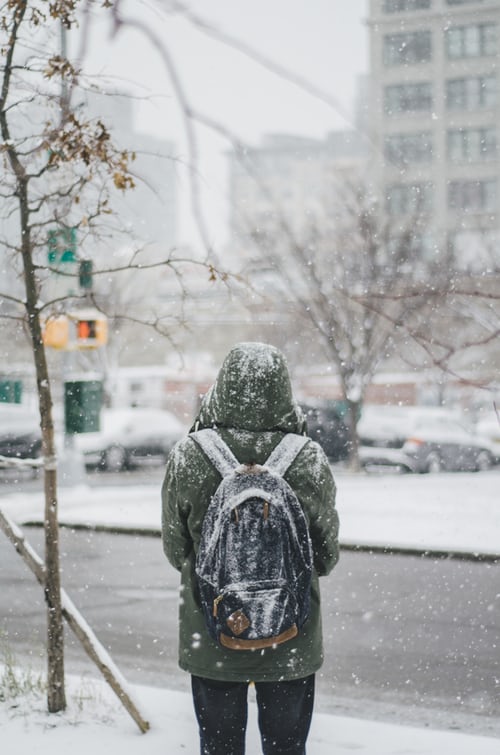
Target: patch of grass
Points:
(17, 681)
(23, 690)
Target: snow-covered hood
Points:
(252, 392)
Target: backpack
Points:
(254, 562)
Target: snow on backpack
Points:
(254, 562)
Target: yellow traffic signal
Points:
(56, 332)
(79, 329)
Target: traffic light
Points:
(79, 329)
(91, 330)
(86, 329)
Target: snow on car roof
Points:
(17, 417)
(379, 420)
(115, 419)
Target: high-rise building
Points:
(435, 114)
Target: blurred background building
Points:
(149, 210)
(289, 179)
(424, 138)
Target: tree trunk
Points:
(352, 418)
(56, 698)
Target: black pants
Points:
(285, 711)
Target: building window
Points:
(472, 144)
(412, 245)
(471, 41)
(473, 196)
(404, 98)
(476, 250)
(471, 93)
(406, 149)
(409, 199)
(397, 6)
(407, 48)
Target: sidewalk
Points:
(446, 513)
(95, 723)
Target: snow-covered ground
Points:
(445, 512)
(458, 513)
(95, 723)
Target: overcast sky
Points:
(322, 41)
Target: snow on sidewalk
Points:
(446, 512)
(94, 722)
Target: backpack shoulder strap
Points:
(217, 451)
(286, 452)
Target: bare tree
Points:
(356, 275)
(57, 171)
(60, 170)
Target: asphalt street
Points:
(406, 638)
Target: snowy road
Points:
(407, 639)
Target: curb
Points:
(440, 554)
(386, 550)
(109, 528)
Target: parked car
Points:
(325, 425)
(129, 438)
(488, 429)
(20, 436)
(420, 440)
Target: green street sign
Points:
(61, 244)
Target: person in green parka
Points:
(252, 407)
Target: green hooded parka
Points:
(252, 407)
